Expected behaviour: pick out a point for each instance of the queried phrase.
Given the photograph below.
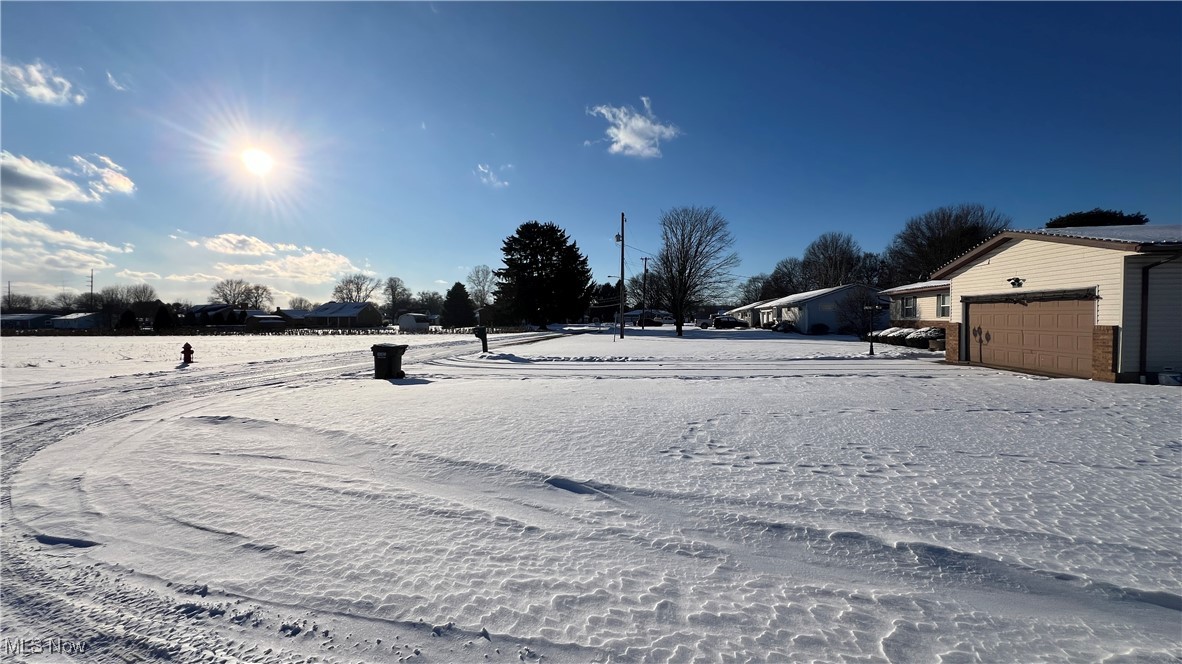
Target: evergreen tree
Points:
(163, 320)
(1098, 217)
(546, 278)
(127, 321)
(457, 308)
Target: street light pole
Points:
(870, 336)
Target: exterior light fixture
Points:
(1016, 282)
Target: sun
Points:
(257, 161)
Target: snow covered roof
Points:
(295, 314)
(1145, 238)
(338, 309)
(801, 298)
(75, 316)
(935, 284)
(747, 307)
(1144, 234)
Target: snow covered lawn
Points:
(730, 496)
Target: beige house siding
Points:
(1165, 316)
(925, 307)
(1045, 266)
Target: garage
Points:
(1047, 336)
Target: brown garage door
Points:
(1052, 337)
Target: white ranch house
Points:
(809, 309)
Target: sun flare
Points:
(257, 161)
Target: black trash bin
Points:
(387, 360)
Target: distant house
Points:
(923, 304)
(749, 312)
(1103, 302)
(265, 323)
(209, 314)
(811, 309)
(344, 315)
(294, 317)
(79, 321)
(26, 321)
(414, 322)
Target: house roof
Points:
(296, 314)
(933, 285)
(747, 307)
(339, 309)
(27, 316)
(75, 316)
(207, 308)
(267, 318)
(1141, 239)
(801, 298)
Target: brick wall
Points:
(1104, 351)
(951, 342)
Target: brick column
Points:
(1104, 349)
(952, 343)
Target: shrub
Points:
(818, 329)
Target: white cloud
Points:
(312, 268)
(191, 278)
(26, 232)
(442, 282)
(111, 81)
(423, 125)
(233, 243)
(286, 247)
(632, 133)
(488, 177)
(38, 82)
(105, 178)
(35, 186)
(141, 276)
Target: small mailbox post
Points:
(481, 333)
(387, 361)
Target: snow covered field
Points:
(730, 496)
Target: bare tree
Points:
(397, 297)
(141, 293)
(356, 287)
(831, 260)
(786, 279)
(481, 283)
(300, 304)
(65, 301)
(429, 301)
(695, 261)
(859, 310)
(934, 238)
(233, 292)
(258, 296)
(114, 298)
(751, 290)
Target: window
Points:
(909, 307)
(943, 307)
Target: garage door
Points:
(1052, 337)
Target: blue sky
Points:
(409, 139)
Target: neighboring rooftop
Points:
(330, 309)
(1143, 234)
(800, 298)
(935, 284)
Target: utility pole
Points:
(644, 293)
(621, 239)
(90, 305)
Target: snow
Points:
(734, 495)
(1145, 234)
(920, 286)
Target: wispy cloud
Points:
(32, 246)
(37, 82)
(632, 133)
(114, 83)
(140, 276)
(489, 177)
(30, 232)
(105, 177)
(312, 268)
(35, 186)
(442, 282)
(233, 243)
(196, 277)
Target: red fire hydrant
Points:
(186, 353)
